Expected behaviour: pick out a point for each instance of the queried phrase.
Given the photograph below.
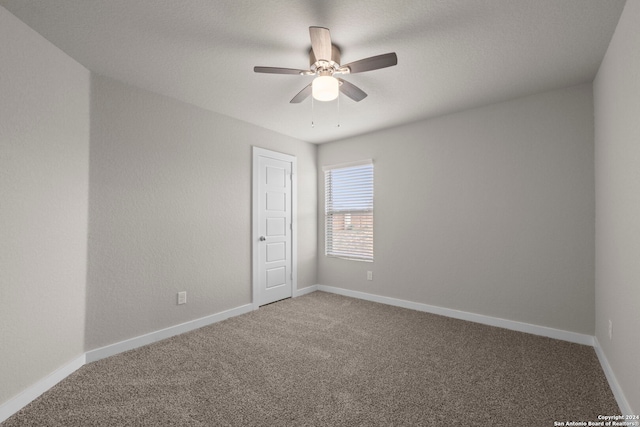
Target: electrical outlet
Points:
(369, 275)
(182, 297)
(610, 329)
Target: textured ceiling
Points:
(452, 54)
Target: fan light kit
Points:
(325, 88)
(324, 60)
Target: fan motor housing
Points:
(335, 56)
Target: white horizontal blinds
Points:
(349, 211)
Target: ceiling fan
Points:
(324, 60)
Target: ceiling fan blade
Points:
(320, 43)
(352, 91)
(276, 70)
(302, 95)
(373, 63)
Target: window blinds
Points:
(349, 210)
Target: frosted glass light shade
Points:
(325, 88)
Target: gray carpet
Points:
(328, 360)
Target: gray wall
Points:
(617, 160)
(170, 210)
(489, 211)
(44, 181)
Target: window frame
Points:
(359, 210)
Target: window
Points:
(349, 210)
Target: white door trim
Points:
(255, 247)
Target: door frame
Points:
(255, 214)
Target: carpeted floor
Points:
(329, 360)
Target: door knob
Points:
(262, 238)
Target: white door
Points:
(273, 226)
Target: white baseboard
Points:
(625, 408)
(463, 315)
(130, 344)
(304, 291)
(30, 394)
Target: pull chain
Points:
(338, 120)
(312, 124)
